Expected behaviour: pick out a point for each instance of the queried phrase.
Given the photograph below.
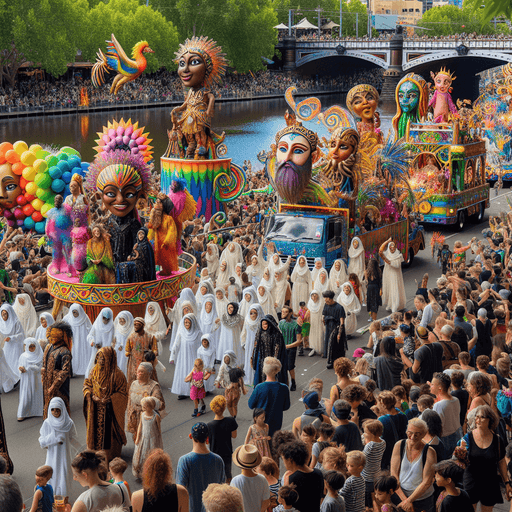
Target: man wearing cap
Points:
(137, 343)
(199, 468)
(428, 359)
(254, 487)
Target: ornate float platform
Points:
(121, 297)
(211, 182)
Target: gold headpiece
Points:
(358, 89)
(446, 72)
(309, 135)
(212, 55)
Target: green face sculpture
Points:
(408, 96)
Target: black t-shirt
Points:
(460, 503)
(220, 436)
(463, 397)
(308, 501)
(365, 413)
(484, 276)
(484, 341)
(349, 436)
(430, 357)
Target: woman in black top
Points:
(374, 280)
(295, 456)
(159, 493)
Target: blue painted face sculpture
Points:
(408, 96)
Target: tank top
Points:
(411, 475)
(46, 501)
(166, 501)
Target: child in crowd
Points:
(43, 492)
(346, 433)
(308, 436)
(401, 398)
(413, 411)
(287, 497)
(228, 363)
(303, 320)
(269, 469)
(325, 433)
(117, 468)
(197, 392)
(257, 434)
(457, 380)
(354, 489)
(375, 337)
(370, 400)
(425, 402)
(385, 486)
(333, 502)
(333, 458)
(374, 448)
(448, 473)
(234, 390)
(149, 434)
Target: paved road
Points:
(23, 437)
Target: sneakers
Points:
(312, 353)
(293, 387)
(195, 413)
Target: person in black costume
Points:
(333, 316)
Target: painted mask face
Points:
(75, 314)
(339, 150)
(96, 232)
(442, 83)
(364, 105)
(293, 148)
(261, 291)
(219, 295)
(120, 202)
(355, 244)
(408, 96)
(192, 70)
(314, 297)
(74, 188)
(231, 309)
(9, 186)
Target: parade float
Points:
(357, 188)
(447, 157)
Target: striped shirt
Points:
(353, 491)
(374, 452)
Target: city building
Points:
(408, 11)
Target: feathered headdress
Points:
(215, 61)
(445, 72)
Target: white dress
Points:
(223, 275)
(255, 270)
(208, 356)
(58, 436)
(8, 378)
(26, 314)
(317, 329)
(352, 307)
(221, 304)
(101, 334)
(232, 255)
(357, 264)
(31, 387)
(205, 288)
(11, 328)
(155, 323)
(393, 289)
(267, 280)
(316, 270)
(121, 334)
(337, 277)
(230, 330)
(266, 301)
(81, 327)
(208, 322)
(176, 313)
(302, 283)
(41, 331)
(281, 284)
(245, 304)
(247, 339)
(184, 354)
(212, 260)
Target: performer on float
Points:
(362, 101)
(79, 238)
(140, 266)
(56, 371)
(81, 326)
(123, 325)
(200, 64)
(77, 200)
(411, 101)
(100, 260)
(13, 336)
(337, 276)
(137, 343)
(31, 388)
(26, 313)
(101, 335)
(441, 101)
(393, 289)
(105, 401)
(348, 299)
(58, 233)
(252, 323)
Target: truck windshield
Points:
(295, 229)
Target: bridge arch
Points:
(324, 54)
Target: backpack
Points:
(451, 353)
(504, 403)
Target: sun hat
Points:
(246, 456)
(422, 332)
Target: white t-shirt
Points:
(449, 410)
(255, 491)
(100, 497)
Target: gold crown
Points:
(309, 135)
(446, 72)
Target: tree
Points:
(490, 8)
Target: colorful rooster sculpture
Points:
(116, 60)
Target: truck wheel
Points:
(461, 220)
(410, 258)
(479, 215)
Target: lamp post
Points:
(341, 22)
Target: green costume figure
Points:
(100, 261)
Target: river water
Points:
(250, 126)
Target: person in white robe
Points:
(206, 352)
(393, 289)
(81, 327)
(322, 283)
(267, 280)
(155, 323)
(205, 288)
(176, 313)
(212, 260)
(58, 436)
(12, 337)
(230, 329)
(228, 363)
(348, 299)
(357, 264)
(250, 297)
(101, 335)
(45, 321)
(223, 275)
(184, 353)
(281, 284)
(251, 325)
(221, 301)
(232, 255)
(274, 263)
(123, 326)
(234, 290)
(317, 329)
(302, 283)
(337, 276)
(316, 269)
(26, 313)
(266, 301)
(8, 378)
(31, 388)
(255, 270)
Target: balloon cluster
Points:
(42, 175)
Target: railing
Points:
(355, 44)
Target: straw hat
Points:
(246, 456)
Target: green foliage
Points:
(449, 19)
(491, 8)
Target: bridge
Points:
(465, 57)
